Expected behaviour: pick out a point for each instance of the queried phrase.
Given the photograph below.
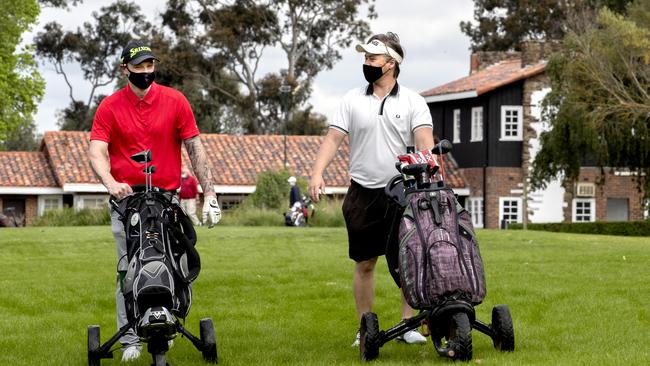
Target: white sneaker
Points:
(412, 337)
(357, 340)
(170, 344)
(131, 353)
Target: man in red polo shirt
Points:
(188, 194)
(144, 115)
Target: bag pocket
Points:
(445, 273)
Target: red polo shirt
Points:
(159, 122)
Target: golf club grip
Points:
(442, 147)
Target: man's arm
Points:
(99, 161)
(423, 138)
(325, 155)
(199, 160)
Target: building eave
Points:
(451, 96)
(30, 190)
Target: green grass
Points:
(282, 296)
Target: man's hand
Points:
(211, 211)
(119, 190)
(316, 187)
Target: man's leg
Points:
(130, 337)
(363, 285)
(191, 211)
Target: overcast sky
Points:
(435, 52)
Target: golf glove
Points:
(211, 211)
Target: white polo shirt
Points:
(379, 130)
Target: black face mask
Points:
(372, 73)
(142, 80)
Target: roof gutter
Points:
(451, 96)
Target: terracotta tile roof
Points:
(500, 74)
(25, 169)
(454, 177)
(68, 153)
(236, 160)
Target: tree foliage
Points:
(236, 35)
(21, 85)
(501, 25)
(599, 106)
(94, 48)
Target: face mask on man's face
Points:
(373, 73)
(142, 80)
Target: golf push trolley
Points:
(425, 271)
(162, 263)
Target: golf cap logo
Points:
(134, 51)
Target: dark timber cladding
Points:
(470, 154)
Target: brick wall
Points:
(612, 186)
(31, 210)
(500, 183)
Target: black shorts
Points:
(371, 220)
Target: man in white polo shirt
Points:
(380, 119)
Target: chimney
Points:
(481, 60)
(532, 52)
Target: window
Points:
(46, 203)
(94, 203)
(584, 210)
(475, 208)
(477, 124)
(511, 122)
(456, 125)
(510, 209)
(90, 202)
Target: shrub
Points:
(248, 215)
(620, 228)
(271, 189)
(328, 213)
(69, 217)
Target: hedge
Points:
(619, 228)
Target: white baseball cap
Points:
(291, 179)
(377, 47)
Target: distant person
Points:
(294, 193)
(144, 115)
(380, 120)
(188, 194)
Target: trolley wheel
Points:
(209, 340)
(93, 345)
(369, 336)
(459, 336)
(504, 333)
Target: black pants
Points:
(372, 222)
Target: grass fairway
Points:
(282, 296)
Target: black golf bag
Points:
(162, 260)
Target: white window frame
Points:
(456, 125)
(520, 123)
(43, 198)
(502, 201)
(79, 200)
(574, 209)
(475, 208)
(477, 124)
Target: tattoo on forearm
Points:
(199, 160)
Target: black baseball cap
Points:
(135, 52)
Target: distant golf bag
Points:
(157, 285)
(439, 265)
(162, 259)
